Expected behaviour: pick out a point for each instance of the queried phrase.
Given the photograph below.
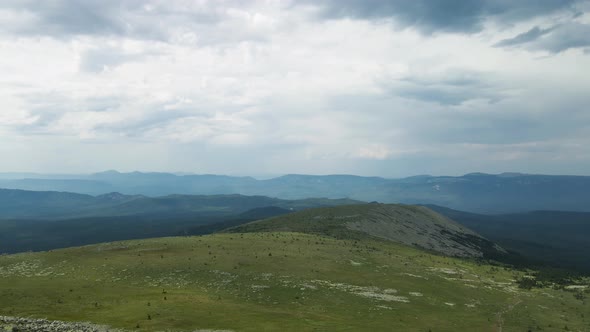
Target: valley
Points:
(553, 238)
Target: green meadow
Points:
(279, 281)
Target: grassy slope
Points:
(411, 225)
(277, 281)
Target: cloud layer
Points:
(462, 16)
(386, 88)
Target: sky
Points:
(387, 88)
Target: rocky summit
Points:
(416, 226)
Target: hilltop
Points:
(416, 226)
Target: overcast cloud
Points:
(388, 88)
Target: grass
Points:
(277, 281)
(411, 225)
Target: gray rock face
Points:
(20, 324)
(424, 228)
(416, 226)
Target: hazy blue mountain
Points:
(24, 204)
(29, 175)
(90, 187)
(476, 192)
(59, 205)
(158, 184)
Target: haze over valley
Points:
(475, 192)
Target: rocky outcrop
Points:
(421, 227)
(20, 324)
(416, 226)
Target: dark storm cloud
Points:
(573, 35)
(465, 16)
(524, 37)
(67, 17)
(556, 39)
(440, 95)
(174, 22)
(451, 88)
(135, 18)
(316, 86)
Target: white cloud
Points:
(272, 82)
(375, 152)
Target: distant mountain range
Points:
(475, 192)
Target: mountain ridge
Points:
(473, 192)
(416, 226)
(16, 203)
